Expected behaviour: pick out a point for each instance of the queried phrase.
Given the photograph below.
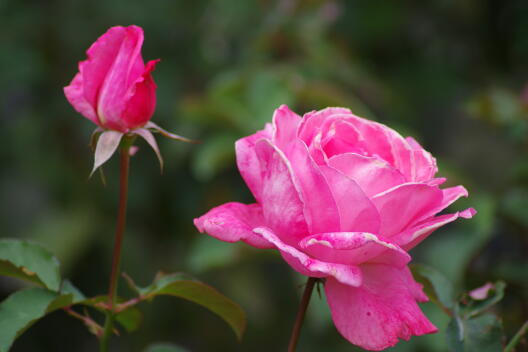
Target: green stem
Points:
(116, 257)
(517, 338)
(301, 313)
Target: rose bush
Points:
(114, 88)
(342, 198)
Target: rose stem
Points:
(120, 230)
(515, 340)
(301, 313)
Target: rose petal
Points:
(316, 150)
(282, 207)
(75, 95)
(340, 137)
(313, 120)
(452, 194)
(404, 205)
(403, 156)
(406, 155)
(305, 265)
(425, 163)
(363, 215)
(111, 101)
(141, 99)
(449, 196)
(232, 222)
(101, 56)
(352, 248)
(377, 139)
(371, 174)
(416, 234)
(285, 124)
(247, 160)
(436, 181)
(482, 292)
(321, 210)
(381, 311)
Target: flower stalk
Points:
(120, 231)
(308, 289)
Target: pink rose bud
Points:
(481, 293)
(342, 198)
(114, 88)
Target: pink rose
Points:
(342, 198)
(114, 88)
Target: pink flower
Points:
(481, 293)
(342, 198)
(114, 88)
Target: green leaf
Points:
(184, 286)
(130, 319)
(59, 302)
(455, 335)
(480, 334)
(436, 285)
(165, 347)
(29, 261)
(23, 308)
(494, 296)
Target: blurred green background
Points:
(452, 74)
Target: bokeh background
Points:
(452, 74)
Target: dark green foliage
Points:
(483, 333)
(186, 287)
(29, 261)
(23, 308)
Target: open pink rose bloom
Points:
(342, 198)
(114, 88)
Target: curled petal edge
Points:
(354, 248)
(346, 274)
(412, 237)
(233, 222)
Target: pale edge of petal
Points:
(167, 134)
(107, 144)
(346, 274)
(149, 138)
